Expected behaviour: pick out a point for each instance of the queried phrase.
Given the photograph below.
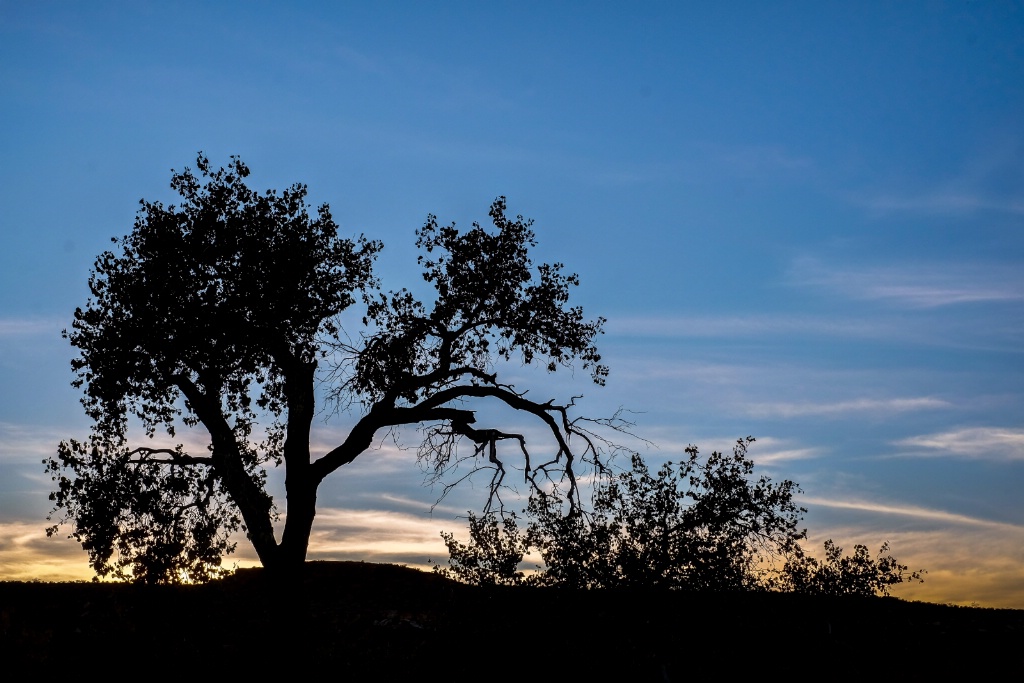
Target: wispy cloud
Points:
(912, 511)
(989, 182)
(27, 554)
(862, 405)
(714, 326)
(928, 286)
(980, 331)
(980, 443)
(758, 160)
(25, 442)
(25, 327)
(765, 451)
(776, 454)
(379, 535)
(942, 202)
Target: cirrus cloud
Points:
(861, 405)
(980, 443)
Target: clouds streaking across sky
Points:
(804, 222)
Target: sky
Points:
(803, 221)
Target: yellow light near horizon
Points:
(31, 556)
(983, 568)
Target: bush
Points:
(493, 555)
(704, 524)
(856, 574)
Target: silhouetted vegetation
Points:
(223, 311)
(838, 574)
(704, 524)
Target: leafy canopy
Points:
(219, 290)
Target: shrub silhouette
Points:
(702, 524)
(493, 555)
(857, 574)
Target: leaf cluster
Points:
(491, 302)
(141, 518)
(493, 556)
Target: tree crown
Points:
(488, 306)
(225, 290)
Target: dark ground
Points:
(392, 623)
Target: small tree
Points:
(857, 574)
(492, 557)
(705, 524)
(702, 524)
(218, 313)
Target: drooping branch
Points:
(175, 457)
(381, 416)
(561, 429)
(457, 423)
(484, 440)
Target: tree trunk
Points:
(291, 555)
(300, 486)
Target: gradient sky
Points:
(803, 221)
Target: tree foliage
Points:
(140, 520)
(704, 524)
(492, 557)
(222, 313)
(838, 574)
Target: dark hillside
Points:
(351, 618)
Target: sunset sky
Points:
(803, 221)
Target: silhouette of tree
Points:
(218, 312)
(492, 557)
(704, 524)
(857, 574)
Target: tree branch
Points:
(433, 408)
(176, 457)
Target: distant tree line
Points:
(701, 524)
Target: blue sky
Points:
(803, 221)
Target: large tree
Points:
(223, 311)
